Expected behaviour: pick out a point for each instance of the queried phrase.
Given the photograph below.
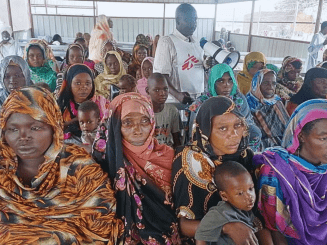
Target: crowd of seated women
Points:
(82, 162)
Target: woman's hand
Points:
(240, 233)
(188, 226)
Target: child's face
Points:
(147, 69)
(138, 74)
(75, 56)
(239, 192)
(125, 87)
(88, 120)
(158, 91)
(113, 64)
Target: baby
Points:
(237, 192)
(89, 119)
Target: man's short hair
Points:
(323, 25)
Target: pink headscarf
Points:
(143, 82)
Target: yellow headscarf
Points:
(103, 80)
(244, 78)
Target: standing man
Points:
(317, 47)
(8, 46)
(180, 58)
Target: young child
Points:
(237, 192)
(127, 84)
(166, 115)
(89, 119)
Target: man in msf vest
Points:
(180, 58)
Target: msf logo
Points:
(189, 62)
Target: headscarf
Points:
(4, 64)
(100, 33)
(255, 97)
(7, 29)
(216, 73)
(137, 46)
(288, 66)
(305, 93)
(301, 210)
(273, 67)
(103, 80)
(59, 196)
(141, 174)
(208, 110)
(143, 82)
(46, 73)
(77, 45)
(244, 78)
(322, 64)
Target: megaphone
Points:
(219, 54)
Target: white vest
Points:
(190, 70)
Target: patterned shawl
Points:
(48, 72)
(286, 88)
(140, 174)
(132, 68)
(293, 190)
(244, 78)
(100, 33)
(103, 80)
(143, 82)
(4, 93)
(70, 201)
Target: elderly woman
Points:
(289, 81)
(113, 71)
(41, 62)
(78, 86)
(293, 178)
(268, 111)
(253, 62)
(50, 193)
(314, 87)
(140, 170)
(220, 135)
(14, 75)
(222, 82)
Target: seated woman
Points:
(140, 51)
(146, 70)
(78, 86)
(268, 111)
(140, 170)
(253, 62)
(113, 71)
(41, 62)
(293, 179)
(14, 75)
(314, 87)
(46, 186)
(220, 135)
(289, 81)
(222, 82)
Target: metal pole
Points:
(214, 23)
(250, 29)
(317, 26)
(94, 15)
(30, 17)
(9, 14)
(164, 20)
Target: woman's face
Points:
(135, 128)
(81, 87)
(113, 64)
(224, 85)
(314, 144)
(226, 133)
(75, 56)
(14, 78)
(35, 57)
(138, 74)
(255, 68)
(141, 54)
(268, 85)
(293, 75)
(28, 137)
(147, 69)
(319, 87)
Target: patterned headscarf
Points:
(137, 46)
(74, 45)
(40, 105)
(255, 97)
(216, 73)
(3, 66)
(103, 80)
(288, 66)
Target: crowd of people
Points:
(92, 153)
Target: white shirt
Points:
(10, 48)
(316, 50)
